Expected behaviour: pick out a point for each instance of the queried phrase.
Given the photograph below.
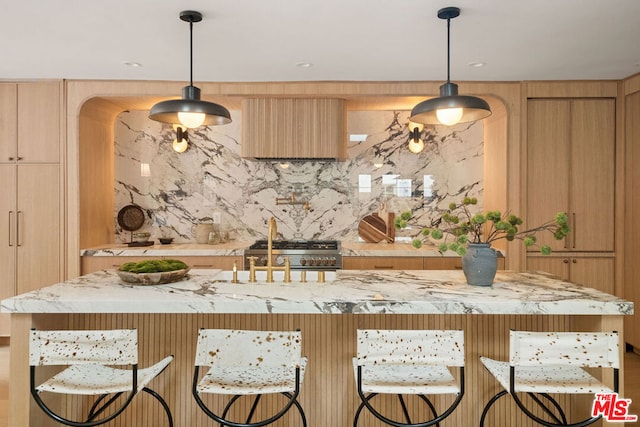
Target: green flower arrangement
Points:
(467, 227)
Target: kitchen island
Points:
(328, 314)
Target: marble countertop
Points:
(237, 248)
(350, 291)
(232, 248)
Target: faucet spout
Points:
(271, 234)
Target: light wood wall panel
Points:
(114, 97)
(96, 174)
(328, 394)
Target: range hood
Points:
(294, 129)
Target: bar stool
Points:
(89, 357)
(408, 362)
(249, 363)
(541, 363)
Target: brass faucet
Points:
(271, 234)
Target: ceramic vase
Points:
(480, 264)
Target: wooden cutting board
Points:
(372, 229)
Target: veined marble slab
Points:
(235, 248)
(352, 291)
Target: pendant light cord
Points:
(448, 50)
(190, 52)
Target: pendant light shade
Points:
(190, 111)
(450, 108)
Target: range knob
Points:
(303, 261)
(279, 260)
(332, 261)
(312, 261)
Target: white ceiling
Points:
(263, 40)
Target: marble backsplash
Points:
(211, 180)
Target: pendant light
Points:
(190, 111)
(450, 108)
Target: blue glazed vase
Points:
(480, 264)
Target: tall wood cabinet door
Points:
(592, 174)
(8, 122)
(39, 122)
(631, 252)
(8, 238)
(7, 241)
(39, 226)
(548, 157)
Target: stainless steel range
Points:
(303, 255)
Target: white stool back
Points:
(410, 347)
(592, 349)
(112, 347)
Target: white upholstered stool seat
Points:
(546, 379)
(408, 362)
(407, 379)
(251, 380)
(249, 363)
(93, 360)
(544, 363)
(100, 379)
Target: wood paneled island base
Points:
(328, 395)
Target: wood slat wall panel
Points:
(328, 396)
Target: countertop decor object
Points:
(476, 232)
(372, 228)
(153, 271)
(166, 240)
(147, 279)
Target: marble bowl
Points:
(149, 279)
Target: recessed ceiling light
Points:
(477, 64)
(304, 65)
(132, 64)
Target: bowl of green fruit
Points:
(153, 271)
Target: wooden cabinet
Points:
(631, 282)
(596, 272)
(381, 263)
(30, 122)
(31, 230)
(571, 167)
(450, 263)
(293, 128)
(91, 264)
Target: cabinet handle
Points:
(383, 267)
(202, 266)
(10, 228)
(575, 261)
(566, 261)
(573, 232)
(19, 240)
(19, 158)
(11, 158)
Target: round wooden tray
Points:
(148, 279)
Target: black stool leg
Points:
(489, 404)
(162, 402)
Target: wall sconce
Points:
(416, 145)
(181, 143)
